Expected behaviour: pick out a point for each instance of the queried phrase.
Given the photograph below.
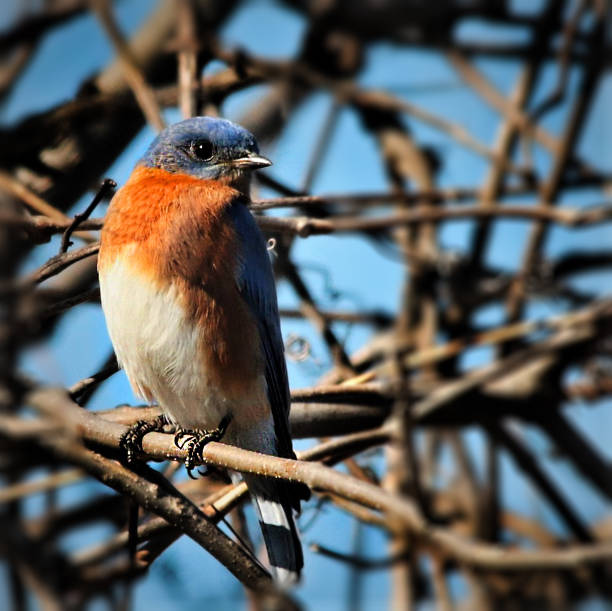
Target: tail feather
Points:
(281, 539)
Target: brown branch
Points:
(403, 512)
(530, 467)
(89, 296)
(323, 411)
(107, 185)
(222, 499)
(564, 57)
(12, 70)
(504, 372)
(367, 516)
(84, 388)
(348, 92)
(358, 561)
(160, 497)
(133, 75)
(550, 187)
(145, 487)
(508, 131)
(160, 534)
(49, 482)
(28, 197)
(434, 196)
(594, 468)
(59, 263)
(497, 335)
(589, 389)
(311, 311)
(376, 318)
(306, 226)
(187, 58)
(400, 511)
(32, 26)
(500, 102)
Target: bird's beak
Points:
(252, 162)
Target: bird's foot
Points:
(195, 440)
(131, 440)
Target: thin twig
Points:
(107, 185)
(49, 482)
(59, 263)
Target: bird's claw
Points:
(195, 440)
(131, 440)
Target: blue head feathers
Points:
(205, 147)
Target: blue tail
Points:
(281, 539)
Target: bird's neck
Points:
(241, 183)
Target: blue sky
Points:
(361, 275)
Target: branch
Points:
(145, 486)
(58, 263)
(32, 27)
(401, 512)
(347, 92)
(107, 185)
(133, 75)
(307, 226)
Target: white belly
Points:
(160, 350)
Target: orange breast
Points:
(178, 232)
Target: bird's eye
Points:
(202, 149)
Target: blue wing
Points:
(256, 284)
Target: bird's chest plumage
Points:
(158, 346)
(178, 324)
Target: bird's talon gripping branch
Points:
(131, 440)
(195, 440)
(184, 436)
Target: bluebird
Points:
(190, 303)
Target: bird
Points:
(189, 298)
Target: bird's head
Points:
(208, 148)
